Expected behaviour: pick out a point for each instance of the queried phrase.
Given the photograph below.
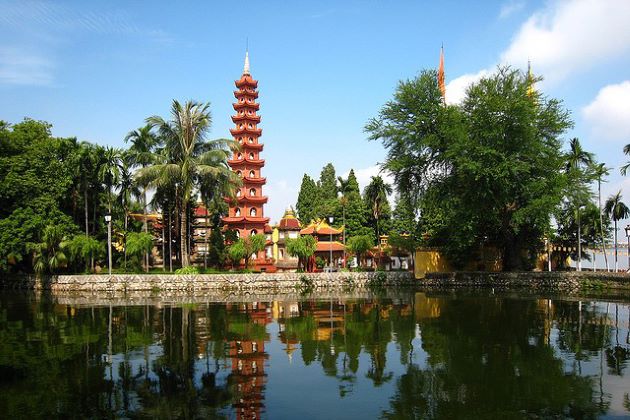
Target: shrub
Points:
(187, 270)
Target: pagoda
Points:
(246, 217)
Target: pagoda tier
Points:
(246, 212)
(246, 131)
(237, 163)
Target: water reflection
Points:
(433, 355)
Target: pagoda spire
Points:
(246, 65)
(441, 77)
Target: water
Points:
(420, 354)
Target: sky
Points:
(97, 70)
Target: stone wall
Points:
(564, 281)
(123, 283)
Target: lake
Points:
(422, 354)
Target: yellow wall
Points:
(431, 261)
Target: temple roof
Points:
(320, 227)
(289, 221)
(324, 246)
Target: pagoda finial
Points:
(246, 66)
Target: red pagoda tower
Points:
(247, 216)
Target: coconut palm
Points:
(376, 195)
(109, 172)
(49, 254)
(616, 210)
(190, 157)
(577, 159)
(142, 153)
(624, 168)
(600, 171)
(127, 189)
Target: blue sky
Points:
(96, 70)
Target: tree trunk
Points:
(616, 246)
(601, 222)
(183, 236)
(170, 242)
(163, 245)
(125, 236)
(578, 266)
(85, 199)
(145, 225)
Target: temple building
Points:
(288, 228)
(246, 217)
(328, 243)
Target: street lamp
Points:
(331, 219)
(108, 220)
(627, 228)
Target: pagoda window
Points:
(239, 156)
(252, 192)
(241, 100)
(239, 173)
(250, 125)
(237, 212)
(252, 174)
(238, 233)
(241, 126)
(252, 212)
(251, 140)
(238, 193)
(251, 156)
(253, 232)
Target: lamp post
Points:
(627, 228)
(331, 219)
(108, 220)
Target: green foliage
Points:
(302, 247)
(245, 248)
(307, 201)
(187, 270)
(489, 171)
(359, 245)
(138, 244)
(50, 254)
(86, 250)
(403, 216)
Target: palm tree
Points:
(616, 210)
(142, 153)
(126, 190)
(376, 195)
(624, 168)
(600, 171)
(49, 254)
(190, 157)
(576, 159)
(109, 172)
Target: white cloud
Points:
(282, 194)
(609, 113)
(570, 36)
(565, 37)
(19, 67)
(456, 88)
(510, 8)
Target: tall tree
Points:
(190, 157)
(578, 160)
(488, 171)
(599, 172)
(616, 210)
(307, 201)
(110, 172)
(403, 216)
(376, 194)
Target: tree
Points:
(376, 197)
(245, 248)
(142, 153)
(189, 158)
(577, 161)
(109, 172)
(616, 210)
(599, 172)
(405, 242)
(307, 201)
(490, 171)
(127, 189)
(303, 248)
(49, 254)
(85, 249)
(138, 245)
(403, 216)
(359, 245)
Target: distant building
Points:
(327, 242)
(288, 228)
